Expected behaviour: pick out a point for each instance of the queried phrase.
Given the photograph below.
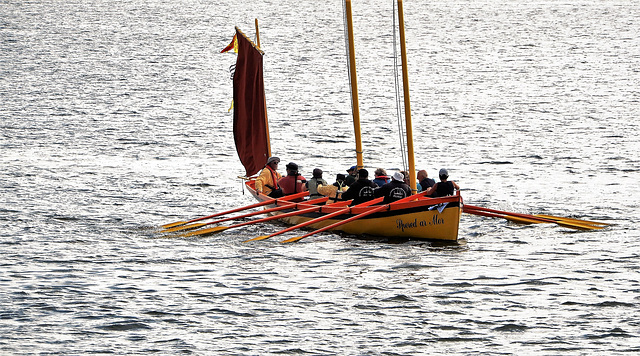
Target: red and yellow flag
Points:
(232, 46)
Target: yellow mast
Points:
(257, 34)
(266, 120)
(407, 105)
(354, 87)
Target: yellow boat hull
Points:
(425, 218)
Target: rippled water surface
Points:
(114, 121)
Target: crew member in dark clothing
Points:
(352, 176)
(424, 180)
(444, 187)
(394, 190)
(361, 190)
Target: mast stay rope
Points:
(399, 98)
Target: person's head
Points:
(422, 174)
(405, 174)
(380, 172)
(443, 174)
(363, 174)
(292, 168)
(317, 173)
(397, 176)
(273, 162)
(351, 170)
(340, 178)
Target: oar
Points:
(510, 218)
(275, 217)
(285, 205)
(572, 220)
(355, 217)
(336, 224)
(262, 203)
(477, 210)
(316, 220)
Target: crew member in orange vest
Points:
(267, 181)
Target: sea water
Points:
(114, 121)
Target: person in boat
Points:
(381, 177)
(394, 190)
(267, 181)
(293, 182)
(424, 181)
(444, 187)
(405, 175)
(353, 175)
(361, 190)
(335, 190)
(314, 183)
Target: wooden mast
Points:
(407, 105)
(266, 119)
(354, 87)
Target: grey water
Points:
(114, 120)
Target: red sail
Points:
(249, 113)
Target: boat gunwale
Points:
(420, 202)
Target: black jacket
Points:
(392, 191)
(360, 191)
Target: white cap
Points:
(398, 176)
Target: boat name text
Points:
(402, 225)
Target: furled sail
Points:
(249, 111)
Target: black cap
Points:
(363, 173)
(292, 166)
(341, 176)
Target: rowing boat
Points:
(423, 218)
(419, 217)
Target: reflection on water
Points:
(114, 121)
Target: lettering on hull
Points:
(405, 225)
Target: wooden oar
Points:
(510, 218)
(285, 205)
(355, 217)
(477, 210)
(262, 203)
(275, 217)
(572, 220)
(316, 220)
(334, 225)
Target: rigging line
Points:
(399, 111)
